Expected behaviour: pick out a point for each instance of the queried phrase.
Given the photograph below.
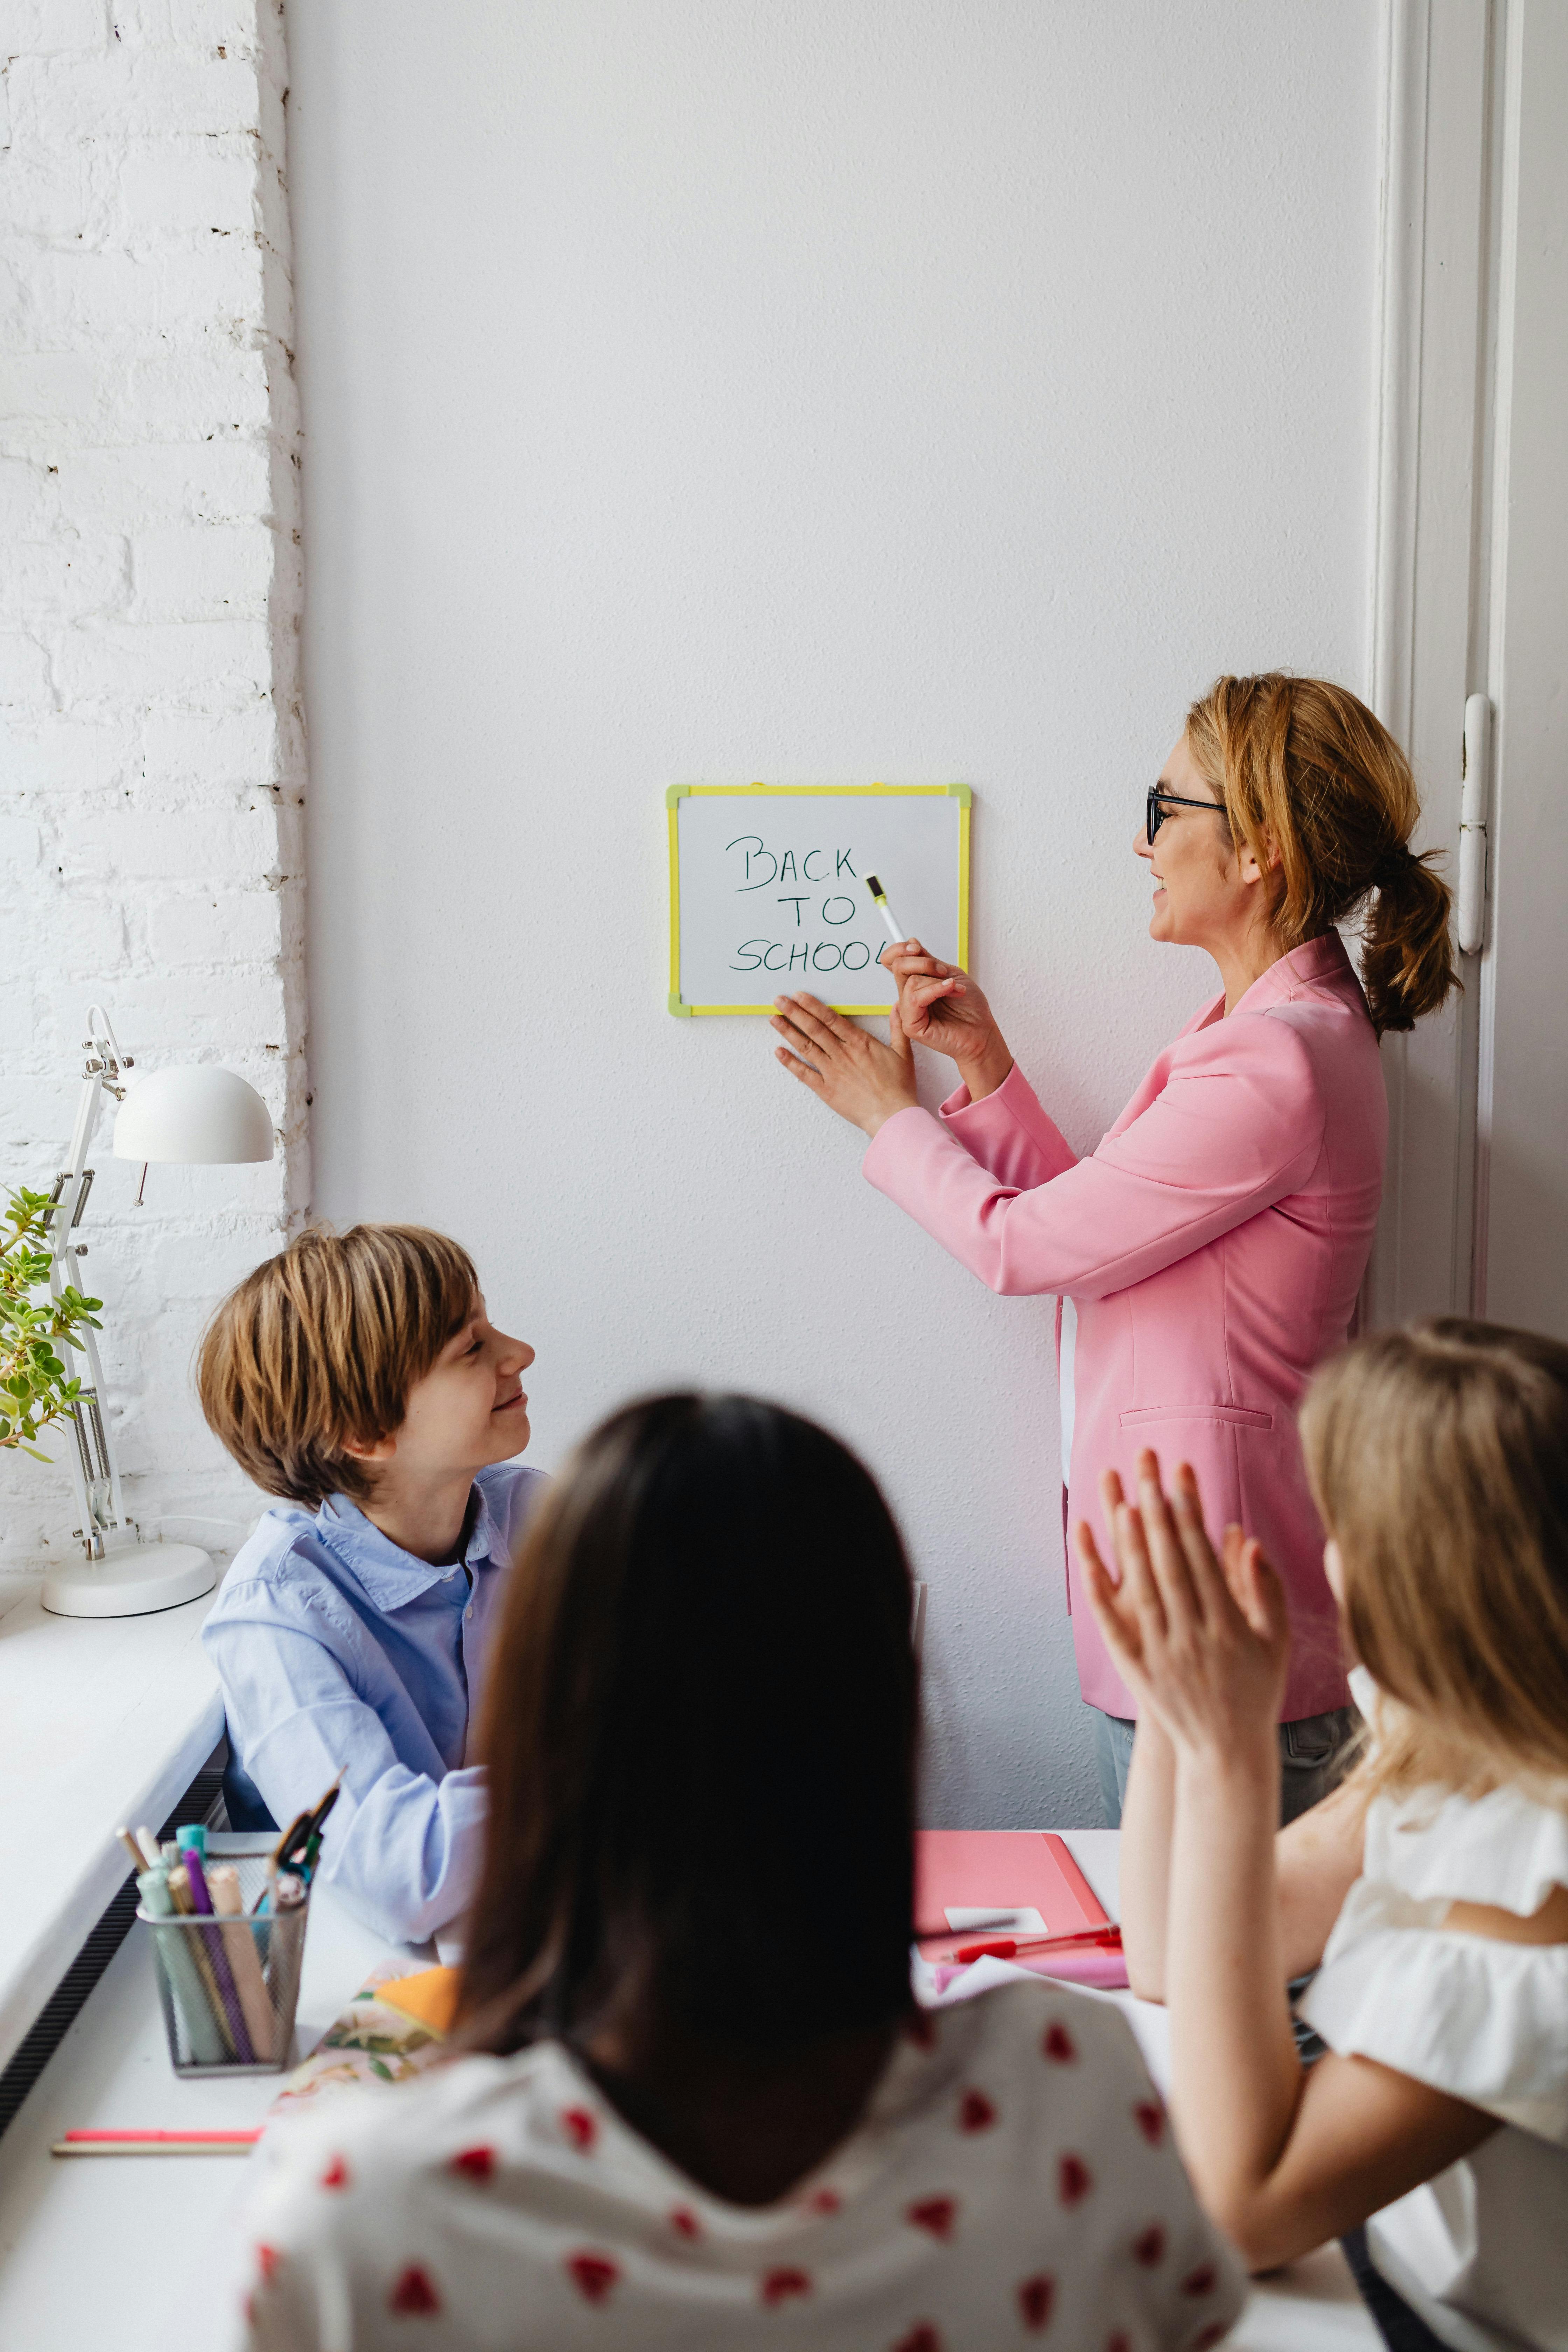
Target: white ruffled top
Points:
(1482, 2251)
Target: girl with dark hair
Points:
(700, 2106)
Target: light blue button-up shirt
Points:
(335, 1647)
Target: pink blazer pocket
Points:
(1241, 1416)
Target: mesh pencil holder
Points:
(228, 1984)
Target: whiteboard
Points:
(767, 890)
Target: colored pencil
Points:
(156, 2143)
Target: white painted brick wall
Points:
(151, 751)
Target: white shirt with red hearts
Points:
(1013, 2182)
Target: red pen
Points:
(1008, 1948)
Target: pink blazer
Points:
(1213, 1247)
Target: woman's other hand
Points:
(845, 1067)
(1202, 1641)
(940, 1006)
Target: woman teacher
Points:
(1209, 1252)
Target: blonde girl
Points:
(1430, 1891)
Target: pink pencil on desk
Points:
(156, 2143)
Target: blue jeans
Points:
(1311, 1755)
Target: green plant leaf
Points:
(33, 1377)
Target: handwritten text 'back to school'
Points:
(818, 895)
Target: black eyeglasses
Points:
(1159, 801)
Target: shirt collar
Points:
(1312, 963)
(389, 1575)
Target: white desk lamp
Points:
(196, 1115)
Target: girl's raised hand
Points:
(1200, 1641)
(941, 1006)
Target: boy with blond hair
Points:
(359, 1378)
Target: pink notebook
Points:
(981, 1873)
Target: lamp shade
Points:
(199, 1114)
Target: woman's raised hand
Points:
(941, 1006)
(1201, 1641)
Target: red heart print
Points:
(593, 2275)
(580, 2127)
(921, 2338)
(685, 2223)
(823, 2200)
(1074, 2180)
(920, 2028)
(1036, 2297)
(975, 2112)
(1119, 2342)
(414, 2294)
(777, 2286)
(1149, 2248)
(266, 2261)
(474, 2163)
(1203, 2281)
(936, 2214)
(1059, 2045)
(1149, 2118)
(336, 2175)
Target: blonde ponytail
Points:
(1304, 771)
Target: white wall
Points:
(151, 756)
(818, 392)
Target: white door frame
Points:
(1470, 596)
(1430, 569)
(1522, 1257)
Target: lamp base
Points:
(134, 1582)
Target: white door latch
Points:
(1473, 799)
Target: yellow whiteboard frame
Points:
(676, 793)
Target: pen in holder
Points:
(228, 1974)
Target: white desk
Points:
(102, 1720)
(1312, 2306)
(74, 2234)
